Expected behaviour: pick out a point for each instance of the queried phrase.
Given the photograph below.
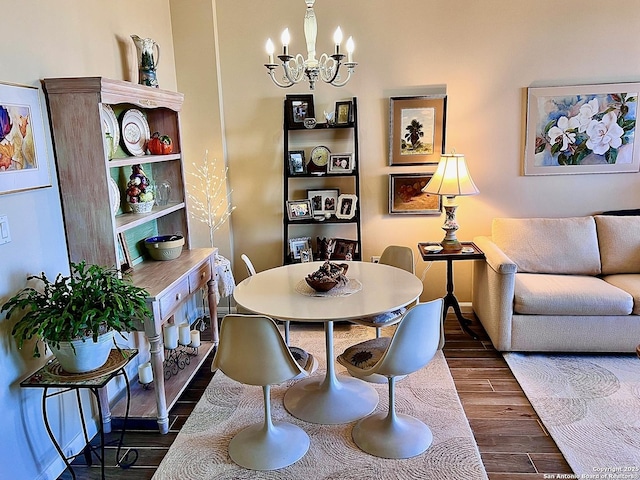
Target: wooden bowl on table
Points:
(328, 276)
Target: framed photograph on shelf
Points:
(343, 113)
(582, 129)
(299, 108)
(296, 162)
(124, 255)
(298, 245)
(346, 208)
(416, 129)
(299, 210)
(323, 202)
(306, 255)
(344, 249)
(406, 195)
(341, 163)
(24, 164)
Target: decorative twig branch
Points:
(216, 207)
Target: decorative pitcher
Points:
(146, 63)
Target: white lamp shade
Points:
(451, 178)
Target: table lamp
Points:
(450, 180)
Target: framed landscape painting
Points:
(416, 129)
(406, 195)
(582, 129)
(23, 153)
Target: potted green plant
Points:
(76, 313)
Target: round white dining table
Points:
(277, 293)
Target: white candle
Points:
(350, 49)
(185, 334)
(145, 374)
(337, 39)
(195, 338)
(170, 335)
(285, 38)
(270, 50)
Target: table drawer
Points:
(173, 298)
(200, 277)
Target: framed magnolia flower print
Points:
(582, 129)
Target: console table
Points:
(52, 376)
(169, 284)
(470, 251)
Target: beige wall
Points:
(485, 54)
(49, 39)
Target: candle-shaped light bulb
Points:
(270, 49)
(350, 48)
(337, 39)
(285, 38)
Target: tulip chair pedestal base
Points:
(402, 437)
(269, 448)
(332, 400)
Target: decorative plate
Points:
(135, 132)
(319, 159)
(433, 248)
(111, 130)
(114, 195)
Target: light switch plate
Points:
(5, 234)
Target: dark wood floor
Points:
(513, 443)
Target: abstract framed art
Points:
(416, 129)
(582, 129)
(23, 153)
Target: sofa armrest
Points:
(496, 258)
(493, 292)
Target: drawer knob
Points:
(178, 296)
(202, 275)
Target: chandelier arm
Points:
(271, 72)
(350, 69)
(328, 72)
(293, 74)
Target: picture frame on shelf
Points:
(124, 255)
(297, 164)
(299, 108)
(306, 255)
(417, 129)
(298, 245)
(347, 206)
(565, 125)
(343, 113)
(407, 198)
(299, 210)
(341, 163)
(323, 202)
(343, 249)
(24, 163)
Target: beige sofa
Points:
(560, 284)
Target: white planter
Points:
(88, 355)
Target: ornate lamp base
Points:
(450, 243)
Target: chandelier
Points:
(326, 68)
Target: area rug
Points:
(590, 405)
(200, 450)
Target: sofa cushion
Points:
(543, 294)
(630, 283)
(619, 240)
(549, 245)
